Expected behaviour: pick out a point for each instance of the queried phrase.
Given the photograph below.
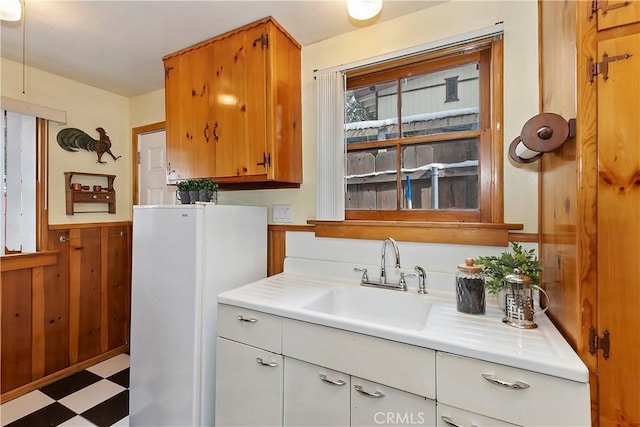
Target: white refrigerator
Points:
(183, 257)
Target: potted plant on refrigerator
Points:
(182, 192)
(208, 190)
(194, 190)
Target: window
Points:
(21, 203)
(418, 137)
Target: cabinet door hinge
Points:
(605, 6)
(595, 68)
(599, 343)
(166, 72)
(266, 160)
(263, 40)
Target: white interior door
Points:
(152, 171)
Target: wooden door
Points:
(230, 106)
(615, 13)
(176, 150)
(255, 121)
(618, 228)
(196, 111)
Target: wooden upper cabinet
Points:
(239, 120)
(615, 13)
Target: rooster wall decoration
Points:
(71, 139)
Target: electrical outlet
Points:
(282, 213)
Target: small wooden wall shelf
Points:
(106, 195)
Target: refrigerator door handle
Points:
(263, 363)
(241, 318)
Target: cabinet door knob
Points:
(215, 132)
(375, 395)
(267, 364)
(518, 385)
(95, 196)
(63, 239)
(324, 379)
(206, 133)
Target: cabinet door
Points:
(375, 404)
(189, 117)
(619, 225)
(614, 13)
(248, 385)
(315, 396)
(84, 293)
(448, 416)
(177, 153)
(239, 107)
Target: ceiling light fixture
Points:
(10, 10)
(363, 9)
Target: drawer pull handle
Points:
(376, 395)
(449, 421)
(518, 385)
(263, 363)
(241, 318)
(324, 379)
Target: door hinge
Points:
(266, 160)
(138, 157)
(595, 68)
(599, 343)
(263, 39)
(605, 6)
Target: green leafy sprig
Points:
(495, 268)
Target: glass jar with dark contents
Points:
(470, 288)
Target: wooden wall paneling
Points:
(15, 301)
(56, 305)
(276, 251)
(117, 264)
(37, 323)
(85, 275)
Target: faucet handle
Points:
(402, 282)
(422, 277)
(365, 277)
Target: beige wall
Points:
(87, 108)
(448, 19)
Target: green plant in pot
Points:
(207, 189)
(496, 268)
(182, 190)
(194, 189)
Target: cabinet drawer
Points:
(534, 399)
(375, 404)
(250, 327)
(395, 364)
(449, 416)
(93, 196)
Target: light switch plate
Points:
(282, 214)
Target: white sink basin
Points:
(381, 306)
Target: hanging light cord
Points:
(24, 36)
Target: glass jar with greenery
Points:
(496, 268)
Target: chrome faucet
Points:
(383, 273)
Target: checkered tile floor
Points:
(97, 396)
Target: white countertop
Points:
(484, 337)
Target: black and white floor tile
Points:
(97, 396)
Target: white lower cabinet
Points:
(448, 416)
(315, 396)
(374, 404)
(248, 385)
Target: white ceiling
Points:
(118, 45)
